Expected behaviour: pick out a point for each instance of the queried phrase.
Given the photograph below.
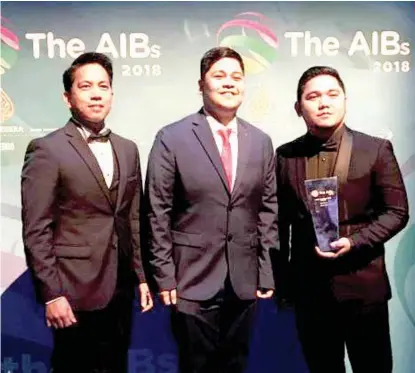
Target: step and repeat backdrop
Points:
(156, 49)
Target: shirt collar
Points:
(84, 130)
(215, 125)
(333, 140)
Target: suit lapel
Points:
(204, 135)
(244, 149)
(122, 163)
(80, 145)
(341, 170)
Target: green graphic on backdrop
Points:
(404, 261)
(258, 50)
(8, 56)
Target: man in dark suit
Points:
(340, 296)
(211, 196)
(81, 191)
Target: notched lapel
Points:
(79, 144)
(204, 135)
(244, 151)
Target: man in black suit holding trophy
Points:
(340, 292)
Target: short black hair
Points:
(214, 55)
(314, 71)
(86, 59)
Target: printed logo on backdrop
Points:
(8, 56)
(251, 36)
(137, 46)
(13, 130)
(388, 52)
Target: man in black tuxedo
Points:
(340, 297)
(81, 192)
(211, 194)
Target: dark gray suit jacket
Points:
(199, 230)
(71, 230)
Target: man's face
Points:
(90, 97)
(323, 103)
(223, 86)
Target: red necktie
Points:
(226, 155)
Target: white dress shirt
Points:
(215, 126)
(102, 152)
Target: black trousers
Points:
(213, 335)
(99, 342)
(326, 327)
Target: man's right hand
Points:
(59, 314)
(169, 297)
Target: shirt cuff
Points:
(53, 300)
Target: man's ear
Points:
(297, 108)
(66, 98)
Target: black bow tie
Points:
(330, 146)
(101, 137)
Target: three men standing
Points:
(211, 197)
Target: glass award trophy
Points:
(324, 208)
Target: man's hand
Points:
(59, 314)
(169, 297)
(264, 294)
(340, 247)
(146, 301)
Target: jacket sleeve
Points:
(159, 202)
(267, 219)
(135, 223)
(281, 259)
(39, 189)
(390, 199)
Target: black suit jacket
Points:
(71, 230)
(373, 207)
(200, 231)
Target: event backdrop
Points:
(156, 48)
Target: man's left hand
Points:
(340, 247)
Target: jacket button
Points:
(230, 237)
(229, 208)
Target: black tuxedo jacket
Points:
(373, 207)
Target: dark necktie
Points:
(226, 155)
(101, 137)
